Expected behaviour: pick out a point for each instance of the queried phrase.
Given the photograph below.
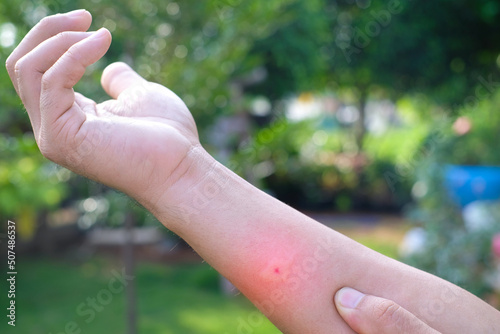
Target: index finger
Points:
(78, 20)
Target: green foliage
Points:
(452, 250)
(396, 144)
(477, 146)
(295, 54)
(310, 165)
(384, 49)
(456, 249)
(27, 180)
(110, 209)
(439, 48)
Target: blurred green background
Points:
(348, 109)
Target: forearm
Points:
(290, 266)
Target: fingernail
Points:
(76, 13)
(349, 298)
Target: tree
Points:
(444, 49)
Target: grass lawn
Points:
(61, 296)
(171, 299)
(385, 238)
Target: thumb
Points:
(119, 76)
(369, 314)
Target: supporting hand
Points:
(374, 315)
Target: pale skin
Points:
(374, 315)
(144, 142)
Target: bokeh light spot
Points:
(173, 8)
(181, 51)
(7, 35)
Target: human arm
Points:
(144, 142)
(290, 266)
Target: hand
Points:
(374, 315)
(138, 142)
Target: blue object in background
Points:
(467, 184)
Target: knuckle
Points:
(387, 312)
(45, 22)
(50, 25)
(72, 55)
(9, 64)
(76, 69)
(20, 67)
(62, 36)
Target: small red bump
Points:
(277, 270)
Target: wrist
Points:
(196, 181)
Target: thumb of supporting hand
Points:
(369, 314)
